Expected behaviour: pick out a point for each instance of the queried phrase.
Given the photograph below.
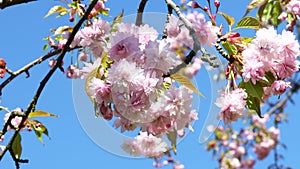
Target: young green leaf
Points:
(117, 19)
(229, 19)
(62, 29)
(253, 4)
(230, 48)
(261, 10)
(45, 46)
(172, 136)
(39, 113)
(248, 22)
(254, 90)
(253, 103)
(56, 9)
(185, 81)
(17, 146)
(39, 130)
(270, 76)
(276, 11)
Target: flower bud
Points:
(193, 4)
(217, 3)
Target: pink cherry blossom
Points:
(122, 45)
(205, 31)
(293, 7)
(253, 70)
(73, 72)
(123, 123)
(172, 26)
(280, 86)
(146, 33)
(263, 149)
(232, 105)
(146, 145)
(275, 132)
(248, 164)
(100, 91)
(92, 37)
(89, 68)
(178, 166)
(172, 111)
(15, 121)
(159, 59)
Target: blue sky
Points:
(22, 29)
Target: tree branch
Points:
(47, 77)
(281, 103)
(7, 3)
(189, 26)
(29, 66)
(170, 10)
(140, 10)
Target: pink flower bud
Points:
(279, 87)
(217, 3)
(193, 4)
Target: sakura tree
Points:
(138, 78)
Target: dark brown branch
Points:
(7, 3)
(29, 66)
(47, 77)
(140, 10)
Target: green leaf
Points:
(276, 11)
(185, 81)
(39, 130)
(230, 48)
(62, 29)
(253, 103)
(247, 39)
(45, 46)
(267, 13)
(117, 19)
(229, 19)
(62, 13)
(172, 136)
(253, 4)
(270, 77)
(17, 146)
(254, 90)
(248, 22)
(39, 113)
(261, 10)
(56, 9)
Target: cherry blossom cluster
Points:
(273, 52)
(234, 147)
(270, 58)
(125, 68)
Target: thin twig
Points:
(284, 100)
(189, 26)
(29, 66)
(170, 10)
(47, 77)
(140, 10)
